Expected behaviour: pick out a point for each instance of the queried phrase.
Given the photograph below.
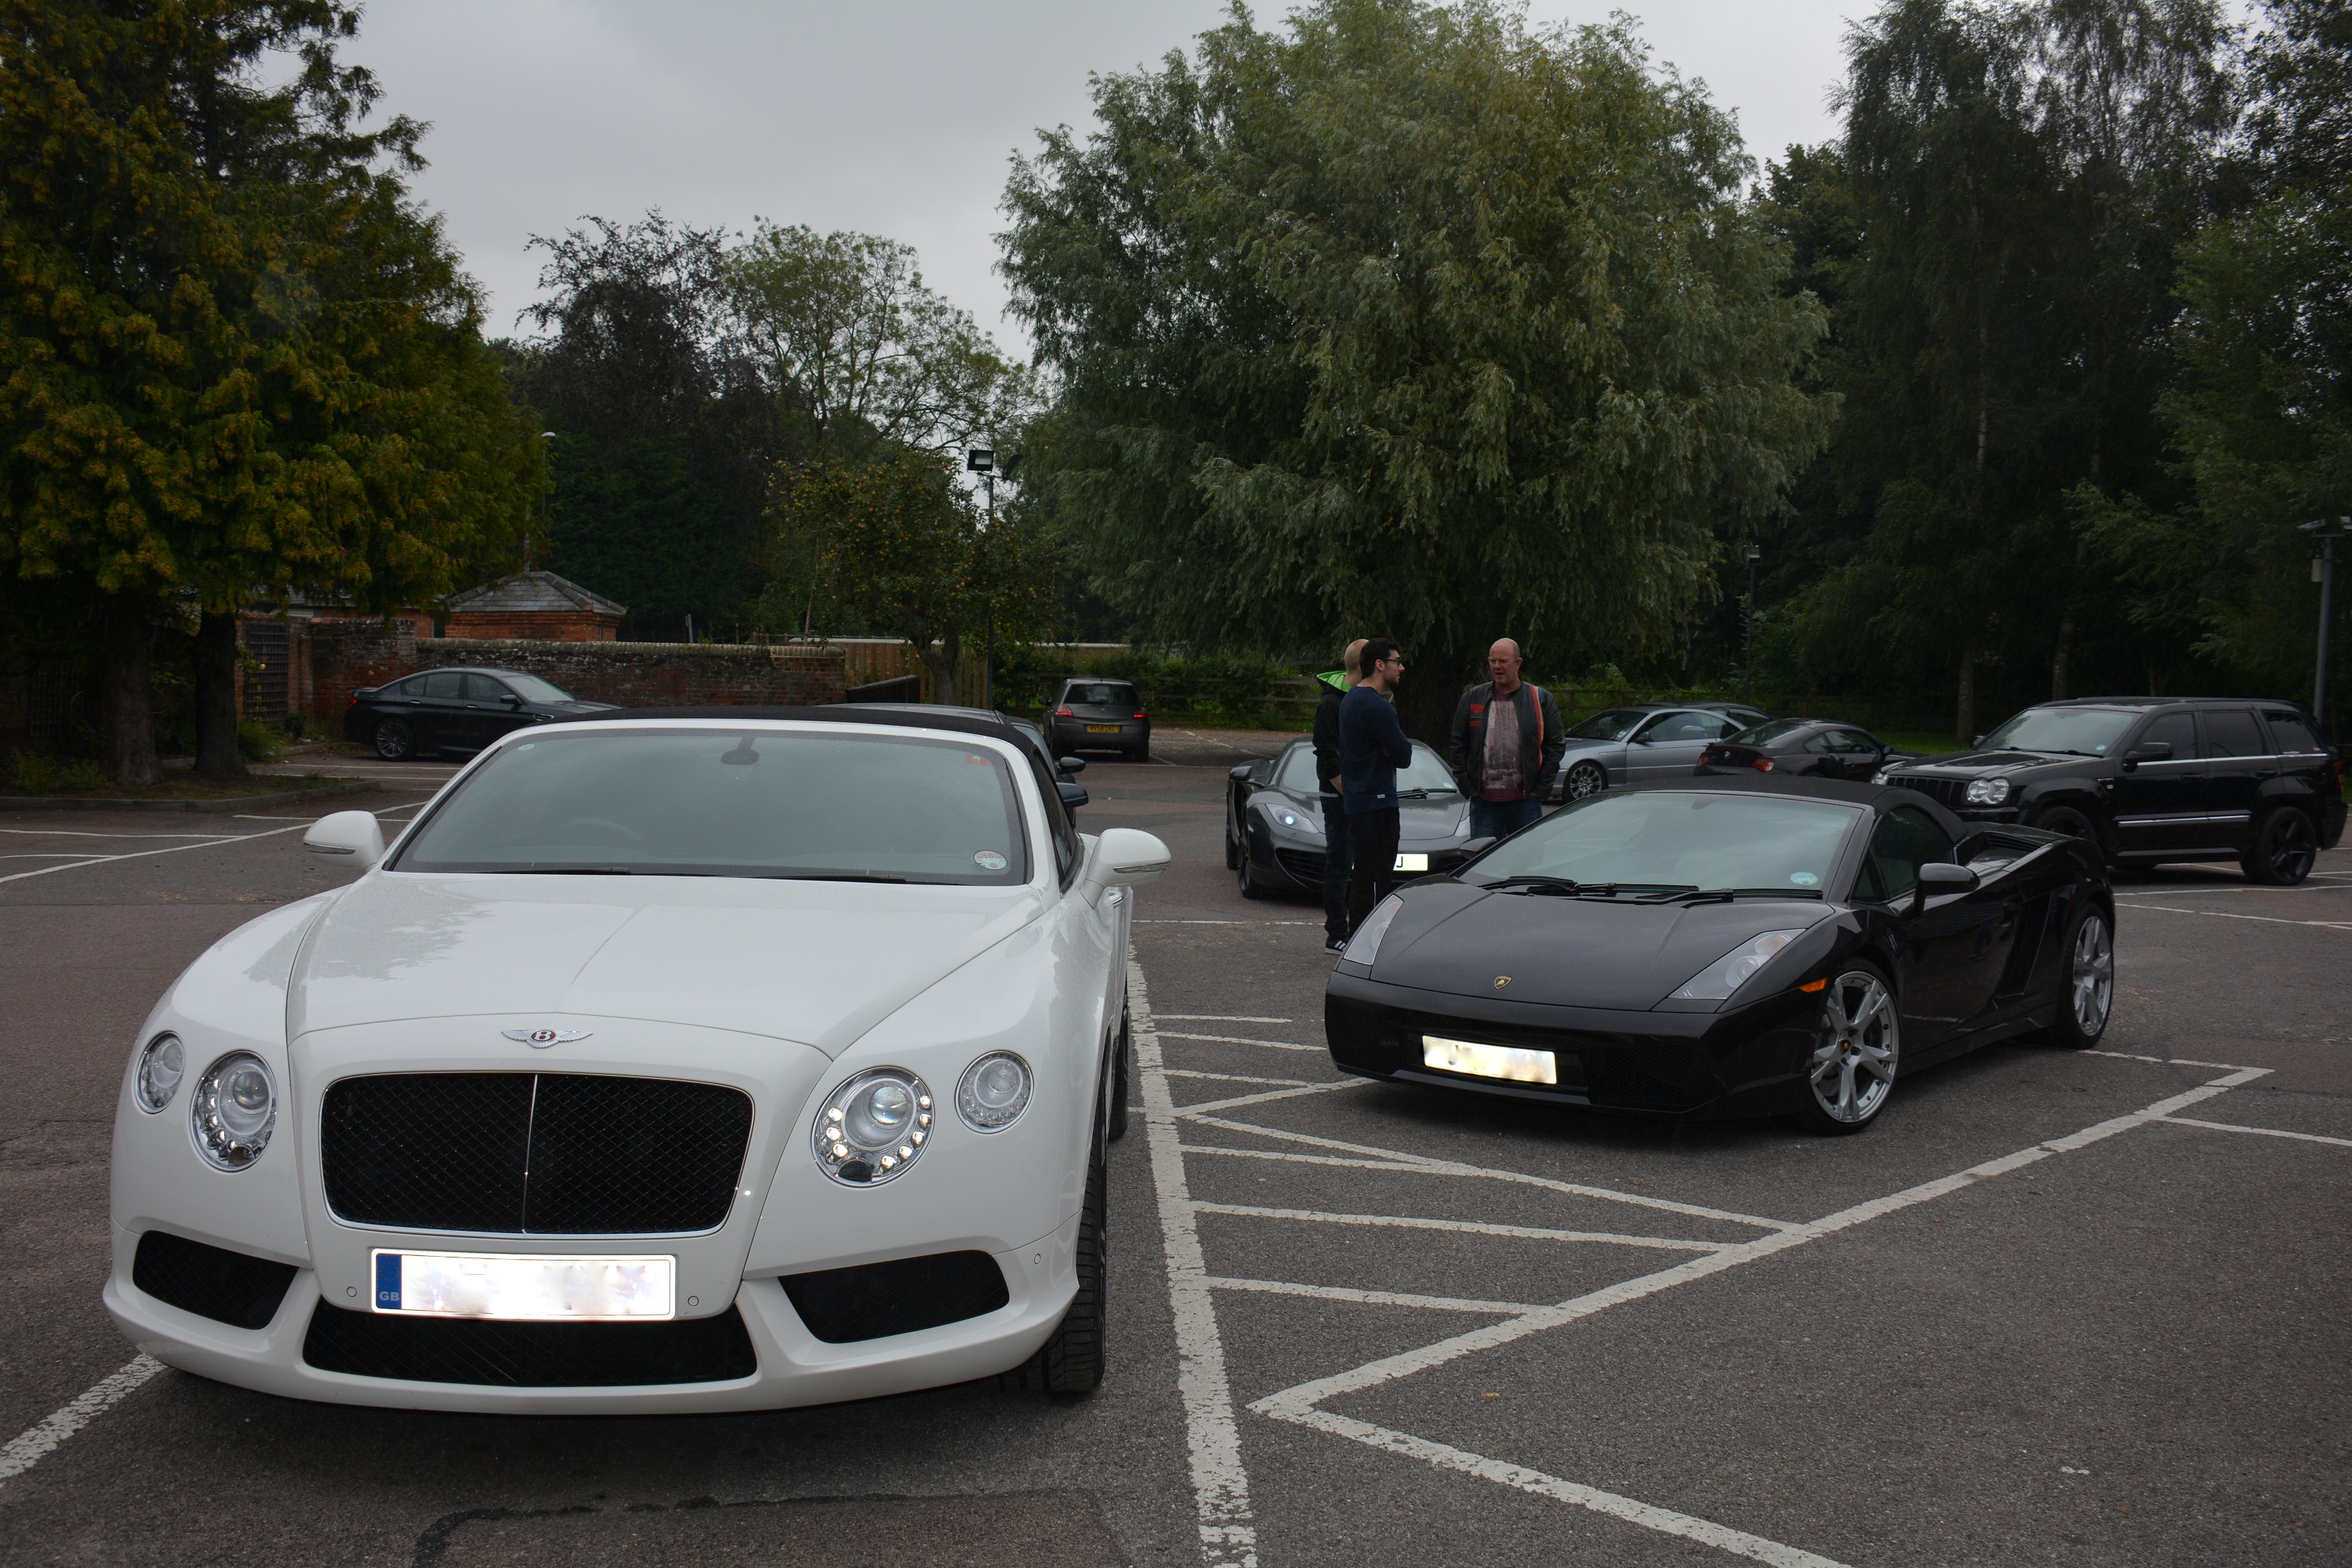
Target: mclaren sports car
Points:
(1729, 946)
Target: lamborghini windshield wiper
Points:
(1533, 882)
(1724, 895)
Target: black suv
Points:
(2152, 779)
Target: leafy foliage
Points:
(1407, 320)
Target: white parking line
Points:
(1371, 1297)
(77, 833)
(2263, 1131)
(1238, 1040)
(36, 1443)
(1240, 1100)
(2226, 915)
(1220, 1018)
(1220, 1484)
(142, 854)
(1473, 1226)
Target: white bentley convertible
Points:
(726, 1058)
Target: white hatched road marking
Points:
(1470, 1226)
(2262, 1132)
(1238, 1040)
(1222, 1018)
(1220, 1484)
(1371, 1297)
(205, 842)
(36, 1443)
(1240, 1100)
(2226, 915)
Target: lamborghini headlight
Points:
(1365, 945)
(1727, 974)
(873, 1127)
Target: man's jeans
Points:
(1501, 818)
(1336, 861)
(1373, 841)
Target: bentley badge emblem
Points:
(1501, 981)
(542, 1038)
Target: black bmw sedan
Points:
(1820, 748)
(456, 710)
(1722, 946)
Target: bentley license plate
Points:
(1102, 729)
(1412, 863)
(525, 1286)
(1514, 1063)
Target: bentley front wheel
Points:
(1857, 1045)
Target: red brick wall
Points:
(657, 675)
(539, 626)
(347, 655)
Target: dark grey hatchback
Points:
(460, 710)
(1098, 716)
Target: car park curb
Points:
(230, 803)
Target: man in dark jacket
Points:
(1372, 747)
(1507, 742)
(1336, 859)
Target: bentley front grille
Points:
(533, 1153)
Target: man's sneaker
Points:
(1335, 944)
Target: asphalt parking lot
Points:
(2086, 1309)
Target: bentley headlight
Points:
(874, 1126)
(234, 1110)
(1726, 975)
(1987, 791)
(1365, 945)
(160, 1067)
(994, 1092)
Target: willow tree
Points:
(233, 357)
(1408, 320)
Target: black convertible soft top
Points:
(1882, 797)
(960, 720)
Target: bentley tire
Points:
(2089, 994)
(2282, 848)
(1122, 1049)
(1071, 1362)
(1585, 778)
(394, 741)
(1857, 1045)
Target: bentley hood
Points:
(817, 962)
(1569, 951)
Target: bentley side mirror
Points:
(2149, 751)
(355, 836)
(1123, 857)
(1942, 877)
(1071, 764)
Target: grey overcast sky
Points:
(893, 117)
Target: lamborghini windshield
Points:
(1678, 840)
(731, 803)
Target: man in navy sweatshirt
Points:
(1372, 746)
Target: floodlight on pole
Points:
(2325, 532)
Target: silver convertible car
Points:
(1274, 821)
(1644, 742)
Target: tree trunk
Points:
(939, 662)
(2058, 659)
(130, 694)
(217, 751)
(1964, 723)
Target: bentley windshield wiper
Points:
(1724, 895)
(828, 876)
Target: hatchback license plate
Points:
(1102, 729)
(1513, 1063)
(1412, 863)
(526, 1287)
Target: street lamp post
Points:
(1755, 553)
(981, 460)
(2326, 532)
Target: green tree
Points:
(1407, 319)
(231, 356)
(902, 548)
(852, 343)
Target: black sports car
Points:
(1274, 821)
(1820, 748)
(1722, 946)
(460, 710)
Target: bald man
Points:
(1507, 742)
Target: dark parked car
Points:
(1100, 716)
(2152, 779)
(1643, 742)
(457, 710)
(1815, 748)
(1274, 821)
(1728, 946)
